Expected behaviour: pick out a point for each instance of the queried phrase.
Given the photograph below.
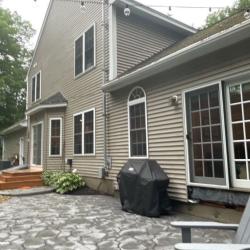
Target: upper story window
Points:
(36, 87)
(85, 51)
(84, 133)
(55, 137)
(138, 145)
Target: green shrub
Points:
(62, 182)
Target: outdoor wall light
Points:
(82, 6)
(127, 11)
(174, 100)
(247, 14)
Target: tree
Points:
(15, 55)
(219, 15)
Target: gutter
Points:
(45, 106)
(217, 41)
(15, 127)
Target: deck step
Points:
(20, 184)
(21, 173)
(7, 178)
(12, 179)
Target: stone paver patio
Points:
(52, 221)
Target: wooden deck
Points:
(26, 178)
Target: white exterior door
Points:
(21, 151)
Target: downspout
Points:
(104, 3)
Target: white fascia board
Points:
(217, 41)
(47, 106)
(15, 127)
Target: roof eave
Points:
(17, 126)
(39, 108)
(179, 26)
(218, 41)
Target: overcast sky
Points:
(34, 11)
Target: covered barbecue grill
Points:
(143, 188)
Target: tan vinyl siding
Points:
(11, 144)
(138, 39)
(55, 59)
(165, 121)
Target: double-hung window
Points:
(85, 51)
(84, 133)
(55, 137)
(138, 145)
(36, 87)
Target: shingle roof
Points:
(57, 98)
(200, 35)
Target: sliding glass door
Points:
(205, 136)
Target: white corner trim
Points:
(112, 43)
(50, 121)
(47, 106)
(3, 148)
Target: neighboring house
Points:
(14, 142)
(151, 89)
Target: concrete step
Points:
(20, 184)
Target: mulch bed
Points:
(4, 198)
(84, 191)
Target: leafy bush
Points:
(62, 182)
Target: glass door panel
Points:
(37, 145)
(239, 120)
(205, 137)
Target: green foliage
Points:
(219, 15)
(62, 182)
(15, 55)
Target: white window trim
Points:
(83, 51)
(3, 148)
(112, 43)
(236, 183)
(188, 175)
(50, 121)
(94, 132)
(31, 145)
(131, 103)
(35, 76)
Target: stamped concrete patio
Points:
(52, 221)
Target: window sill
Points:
(55, 156)
(85, 72)
(138, 157)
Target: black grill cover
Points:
(143, 188)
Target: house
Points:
(104, 87)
